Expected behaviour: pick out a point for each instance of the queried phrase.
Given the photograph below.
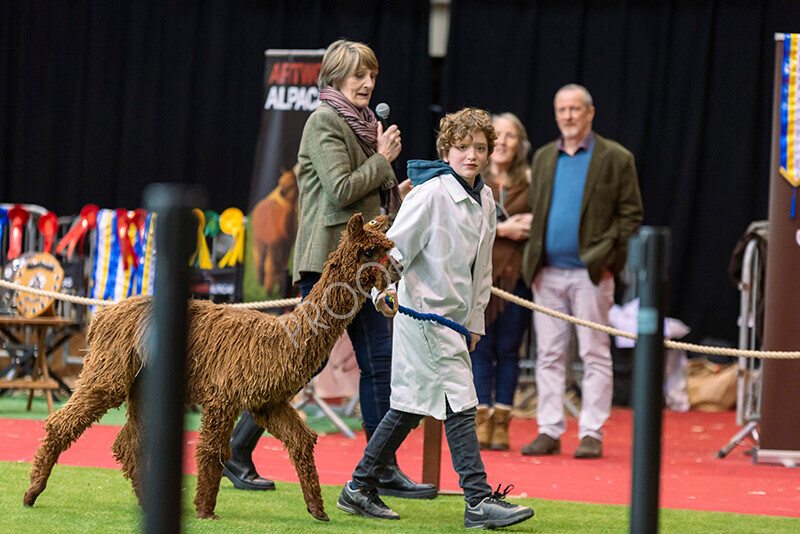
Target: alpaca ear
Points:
(356, 226)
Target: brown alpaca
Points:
(236, 359)
(274, 230)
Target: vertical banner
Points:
(779, 440)
(290, 96)
(790, 115)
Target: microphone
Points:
(382, 111)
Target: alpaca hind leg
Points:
(86, 406)
(284, 423)
(127, 447)
(213, 450)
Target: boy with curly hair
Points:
(443, 237)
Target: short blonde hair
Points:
(342, 59)
(459, 125)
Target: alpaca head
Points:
(362, 254)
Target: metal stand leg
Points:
(308, 395)
(350, 408)
(748, 377)
(571, 408)
(750, 430)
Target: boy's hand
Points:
(383, 307)
(475, 339)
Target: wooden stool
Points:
(41, 372)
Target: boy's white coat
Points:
(438, 233)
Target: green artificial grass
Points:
(82, 499)
(13, 407)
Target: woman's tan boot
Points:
(483, 425)
(500, 419)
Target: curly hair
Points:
(459, 125)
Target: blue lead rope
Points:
(431, 317)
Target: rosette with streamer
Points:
(231, 222)
(17, 216)
(138, 218)
(87, 220)
(126, 230)
(115, 263)
(48, 227)
(200, 257)
(212, 223)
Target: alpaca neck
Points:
(319, 321)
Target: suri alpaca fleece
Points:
(236, 359)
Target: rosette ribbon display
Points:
(17, 216)
(48, 227)
(200, 257)
(231, 222)
(87, 220)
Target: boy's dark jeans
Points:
(461, 437)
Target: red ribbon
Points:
(48, 226)
(18, 216)
(125, 247)
(87, 221)
(139, 218)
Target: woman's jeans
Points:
(461, 437)
(495, 360)
(371, 337)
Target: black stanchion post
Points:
(164, 372)
(649, 260)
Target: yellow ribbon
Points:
(201, 256)
(792, 179)
(231, 222)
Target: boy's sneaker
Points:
(365, 503)
(494, 512)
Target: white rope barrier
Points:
(670, 344)
(264, 304)
(285, 303)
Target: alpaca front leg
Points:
(62, 428)
(213, 450)
(284, 423)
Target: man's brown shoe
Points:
(543, 445)
(590, 448)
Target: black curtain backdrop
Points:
(685, 85)
(100, 98)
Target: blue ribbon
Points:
(3, 222)
(431, 317)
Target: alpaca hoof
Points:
(319, 515)
(207, 515)
(29, 499)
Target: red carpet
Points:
(691, 477)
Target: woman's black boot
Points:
(394, 483)
(240, 468)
